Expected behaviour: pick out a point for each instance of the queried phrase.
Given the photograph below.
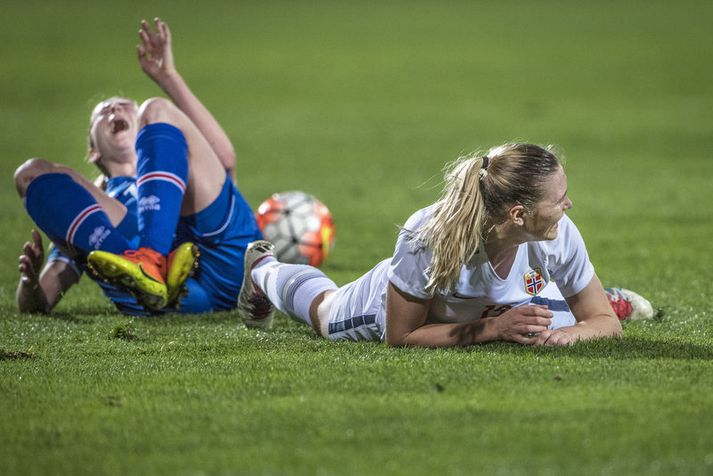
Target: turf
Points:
(362, 104)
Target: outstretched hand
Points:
(31, 260)
(155, 52)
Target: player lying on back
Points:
(168, 187)
(495, 258)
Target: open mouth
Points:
(119, 125)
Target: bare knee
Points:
(319, 312)
(29, 171)
(155, 110)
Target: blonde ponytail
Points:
(454, 231)
(479, 191)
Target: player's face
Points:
(114, 125)
(542, 223)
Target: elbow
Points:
(393, 339)
(617, 330)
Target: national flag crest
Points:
(534, 282)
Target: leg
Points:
(206, 174)
(296, 290)
(69, 209)
(33, 168)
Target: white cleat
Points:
(254, 308)
(629, 306)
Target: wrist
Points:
(487, 330)
(168, 77)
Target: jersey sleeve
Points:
(55, 254)
(409, 266)
(569, 261)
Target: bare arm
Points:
(595, 318)
(40, 292)
(406, 324)
(156, 60)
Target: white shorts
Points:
(358, 309)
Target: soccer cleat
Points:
(254, 308)
(629, 306)
(140, 272)
(182, 262)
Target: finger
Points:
(145, 38)
(28, 249)
(154, 33)
(532, 329)
(26, 269)
(536, 310)
(522, 322)
(140, 52)
(523, 339)
(36, 238)
(144, 30)
(166, 32)
(542, 337)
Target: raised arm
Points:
(406, 324)
(594, 314)
(156, 60)
(40, 292)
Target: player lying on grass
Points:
(473, 267)
(168, 182)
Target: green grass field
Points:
(361, 104)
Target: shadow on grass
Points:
(622, 349)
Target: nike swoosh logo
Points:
(147, 274)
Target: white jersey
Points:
(479, 291)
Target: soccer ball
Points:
(299, 225)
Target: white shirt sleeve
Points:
(409, 265)
(568, 260)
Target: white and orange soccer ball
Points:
(299, 225)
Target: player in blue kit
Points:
(168, 186)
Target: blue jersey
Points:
(221, 231)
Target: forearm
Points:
(30, 297)
(595, 327)
(451, 335)
(178, 91)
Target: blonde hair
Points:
(480, 189)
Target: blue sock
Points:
(70, 216)
(163, 171)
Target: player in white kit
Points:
(495, 258)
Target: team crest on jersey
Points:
(534, 282)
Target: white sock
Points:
(291, 287)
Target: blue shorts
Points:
(222, 232)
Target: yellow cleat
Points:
(140, 272)
(182, 262)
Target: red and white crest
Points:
(534, 282)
